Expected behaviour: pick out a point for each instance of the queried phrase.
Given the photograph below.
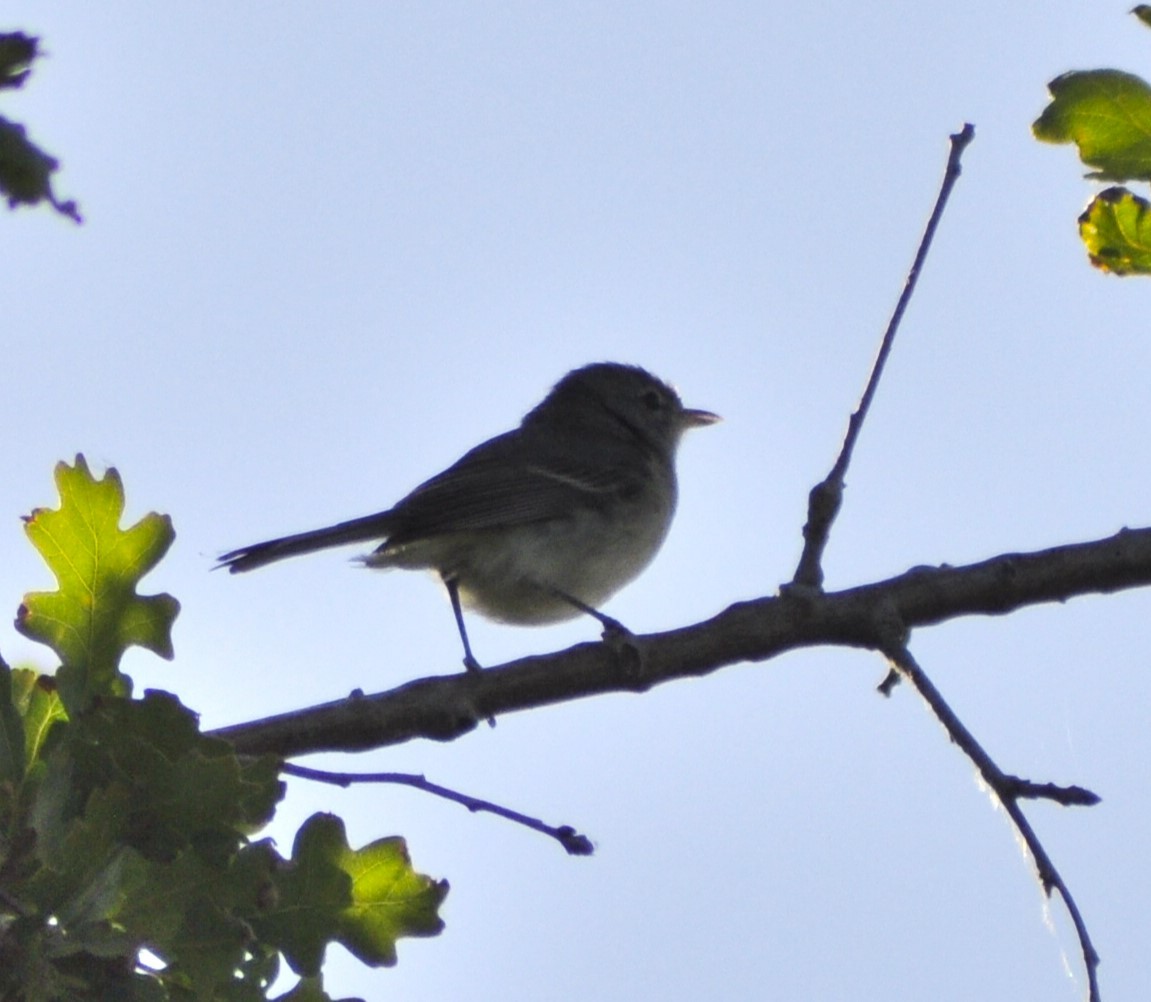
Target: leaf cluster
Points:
(127, 864)
(25, 169)
(1107, 115)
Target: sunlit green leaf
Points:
(364, 899)
(95, 614)
(1107, 114)
(38, 704)
(389, 900)
(1116, 230)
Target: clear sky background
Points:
(329, 247)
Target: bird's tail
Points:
(248, 558)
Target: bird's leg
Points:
(453, 587)
(618, 638)
(470, 662)
(612, 628)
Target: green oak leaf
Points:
(13, 754)
(364, 899)
(87, 870)
(36, 700)
(209, 946)
(190, 911)
(1116, 230)
(389, 900)
(191, 914)
(1107, 114)
(189, 789)
(183, 790)
(307, 990)
(1143, 12)
(95, 614)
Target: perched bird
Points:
(541, 523)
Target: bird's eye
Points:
(652, 400)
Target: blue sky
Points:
(330, 247)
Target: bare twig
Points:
(825, 498)
(1007, 790)
(1065, 796)
(823, 505)
(573, 842)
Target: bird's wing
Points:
(510, 480)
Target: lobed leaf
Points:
(364, 899)
(181, 790)
(1107, 114)
(389, 900)
(95, 614)
(137, 824)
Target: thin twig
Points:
(1066, 796)
(825, 498)
(1007, 790)
(573, 842)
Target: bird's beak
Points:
(698, 419)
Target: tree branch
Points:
(825, 498)
(1007, 790)
(870, 616)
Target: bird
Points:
(542, 523)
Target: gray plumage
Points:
(543, 522)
